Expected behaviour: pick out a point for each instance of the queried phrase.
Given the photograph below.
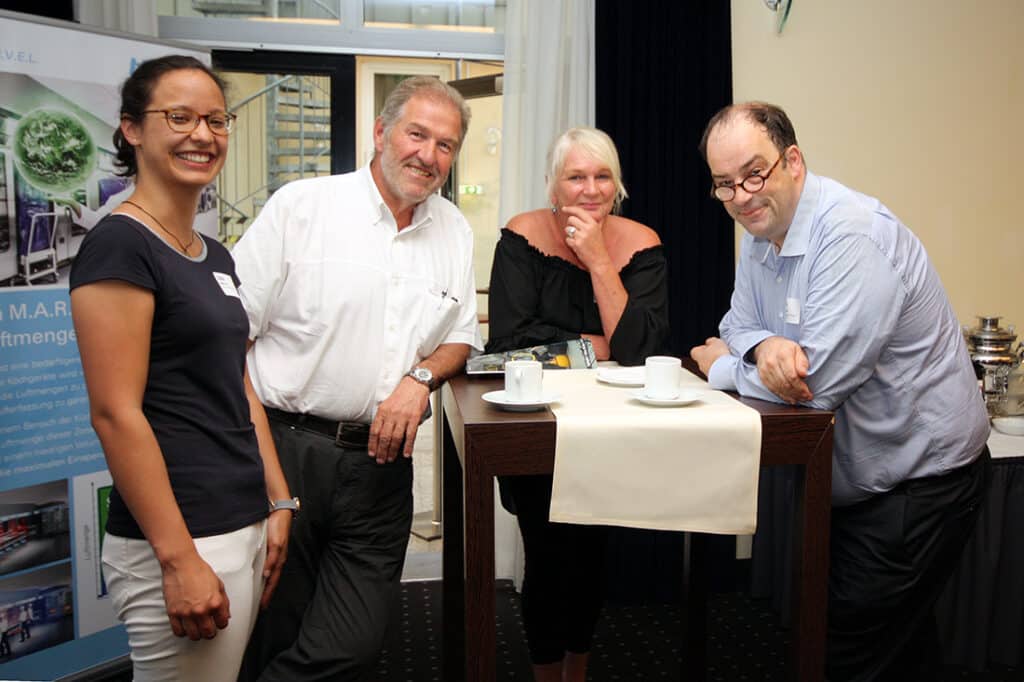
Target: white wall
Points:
(917, 102)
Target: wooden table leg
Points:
(696, 573)
(810, 562)
(479, 568)
(453, 558)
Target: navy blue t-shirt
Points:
(195, 394)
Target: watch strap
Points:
(293, 505)
(430, 383)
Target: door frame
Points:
(340, 68)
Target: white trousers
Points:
(135, 583)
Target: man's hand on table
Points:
(782, 366)
(706, 355)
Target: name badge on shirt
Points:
(226, 284)
(792, 311)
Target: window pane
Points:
(484, 16)
(304, 11)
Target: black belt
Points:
(352, 435)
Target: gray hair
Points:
(423, 86)
(596, 144)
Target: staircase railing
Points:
(260, 158)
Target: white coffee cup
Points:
(524, 381)
(661, 377)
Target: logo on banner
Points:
(15, 56)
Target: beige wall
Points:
(917, 102)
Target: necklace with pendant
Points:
(184, 247)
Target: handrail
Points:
(242, 214)
(238, 182)
(263, 91)
(328, 10)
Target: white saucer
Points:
(621, 376)
(685, 397)
(498, 398)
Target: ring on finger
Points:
(571, 231)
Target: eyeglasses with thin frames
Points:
(186, 121)
(752, 184)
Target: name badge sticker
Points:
(792, 311)
(226, 284)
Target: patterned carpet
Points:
(632, 643)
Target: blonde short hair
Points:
(594, 143)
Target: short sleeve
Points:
(259, 258)
(118, 249)
(515, 305)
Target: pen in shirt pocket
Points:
(444, 295)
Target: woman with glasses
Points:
(191, 541)
(571, 271)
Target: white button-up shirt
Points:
(341, 303)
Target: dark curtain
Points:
(663, 69)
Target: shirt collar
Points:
(798, 236)
(380, 213)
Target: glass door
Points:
(290, 126)
(477, 175)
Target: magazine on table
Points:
(571, 354)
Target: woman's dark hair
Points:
(136, 93)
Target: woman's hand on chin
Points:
(585, 236)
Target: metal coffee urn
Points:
(995, 356)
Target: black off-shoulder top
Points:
(536, 298)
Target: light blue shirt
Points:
(854, 287)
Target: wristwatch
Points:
(293, 505)
(422, 375)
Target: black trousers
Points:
(891, 556)
(329, 615)
(563, 583)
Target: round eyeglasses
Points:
(185, 121)
(751, 184)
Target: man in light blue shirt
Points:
(837, 306)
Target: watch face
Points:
(423, 374)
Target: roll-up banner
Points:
(58, 110)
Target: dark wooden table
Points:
(481, 442)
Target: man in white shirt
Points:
(361, 300)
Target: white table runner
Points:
(623, 463)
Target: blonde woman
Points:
(574, 270)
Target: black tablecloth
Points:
(980, 614)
